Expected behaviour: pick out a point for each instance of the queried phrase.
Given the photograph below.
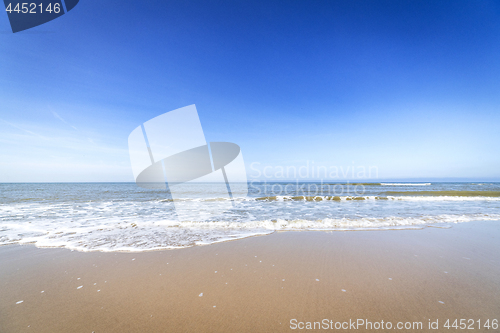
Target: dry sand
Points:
(258, 284)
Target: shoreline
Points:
(375, 229)
(252, 233)
(257, 283)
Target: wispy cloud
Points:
(61, 119)
(22, 129)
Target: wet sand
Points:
(259, 284)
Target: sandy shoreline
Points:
(258, 284)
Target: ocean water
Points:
(124, 217)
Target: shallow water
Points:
(124, 217)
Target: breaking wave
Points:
(157, 235)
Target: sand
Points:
(259, 284)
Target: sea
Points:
(124, 217)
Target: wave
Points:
(387, 195)
(354, 184)
(169, 234)
(420, 197)
(448, 193)
(405, 184)
(382, 184)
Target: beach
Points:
(250, 166)
(273, 283)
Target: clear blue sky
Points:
(411, 87)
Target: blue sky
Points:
(411, 87)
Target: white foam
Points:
(186, 234)
(440, 198)
(405, 184)
(144, 226)
(347, 198)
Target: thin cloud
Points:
(22, 129)
(61, 119)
